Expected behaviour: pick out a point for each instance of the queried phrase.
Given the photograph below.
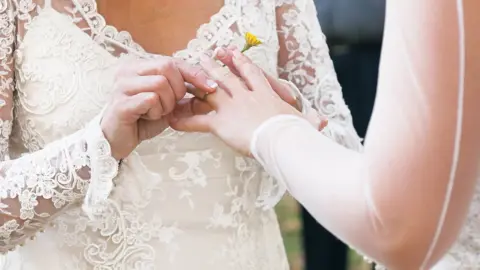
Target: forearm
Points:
(326, 177)
(376, 204)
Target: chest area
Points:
(161, 27)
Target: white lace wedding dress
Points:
(180, 201)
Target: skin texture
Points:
(147, 18)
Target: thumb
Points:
(193, 123)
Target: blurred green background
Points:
(288, 213)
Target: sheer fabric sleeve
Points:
(404, 199)
(37, 186)
(304, 61)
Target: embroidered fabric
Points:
(180, 201)
(35, 187)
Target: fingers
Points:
(154, 83)
(137, 105)
(223, 76)
(250, 73)
(226, 57)
(188, 107)
(282, 89)
(138, 84)
(190, 115)
(176, 72)
(195, 123)
(166, 67)
(196, 76)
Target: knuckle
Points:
(168, 105)
(119, 85)
(152, 99)
(229, 76)
(168, 63)
(156, 114)
(120, 108)
(251, 68)
(126, 69)
(120, 73)
(222, 74)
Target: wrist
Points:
(117, 147)
(269, 129)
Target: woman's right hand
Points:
(144, 92)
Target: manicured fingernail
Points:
(212, 84)
(219, 53)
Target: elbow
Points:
(409, 248)
(402, 254)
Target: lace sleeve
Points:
(35, 187)
(304, 60)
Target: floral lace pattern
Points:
(33, 188)
(180, 201)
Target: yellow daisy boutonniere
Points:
(250, 41)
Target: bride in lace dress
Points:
(179, 200)
(411, 199)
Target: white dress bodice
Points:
(180, 201)
(192, 205)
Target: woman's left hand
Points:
(243, 102)
(283, 89)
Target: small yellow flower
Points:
(250, 41)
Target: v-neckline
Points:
(99, 25)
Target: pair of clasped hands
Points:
(149, 96)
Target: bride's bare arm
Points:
(404, 200)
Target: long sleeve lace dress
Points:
(180, 201)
